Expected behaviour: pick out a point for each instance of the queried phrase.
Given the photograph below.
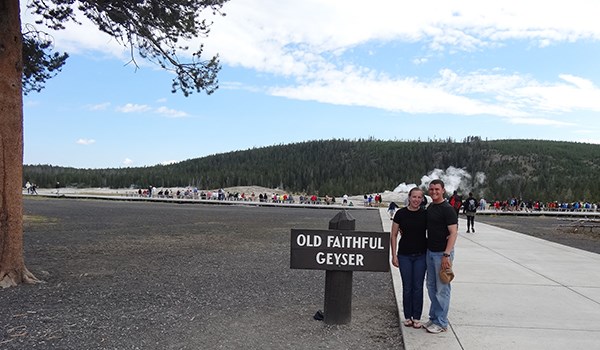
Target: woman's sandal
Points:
(416, 324)
(408, 323)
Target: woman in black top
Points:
(409, 255)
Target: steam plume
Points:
(455, 179)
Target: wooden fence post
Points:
(338, 284)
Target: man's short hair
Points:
(437, 182)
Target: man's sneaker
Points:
(435, 329)
(427, 324)
(473, 229)
(468, 231)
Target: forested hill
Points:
(531, 169)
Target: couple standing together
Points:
(427, 239)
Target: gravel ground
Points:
(128, 275)
(563, 230)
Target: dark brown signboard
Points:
(341, 250)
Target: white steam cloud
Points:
(455, 179)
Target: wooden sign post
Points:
(340, 251)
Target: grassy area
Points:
(38, 220)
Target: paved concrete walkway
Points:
(514, 291)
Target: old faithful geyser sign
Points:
(340, 250)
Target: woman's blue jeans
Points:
(412, 272)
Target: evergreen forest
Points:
(527, 169)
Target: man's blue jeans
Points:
(439, 293)
(412, 271)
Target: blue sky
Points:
(296, 71)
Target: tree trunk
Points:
(12, 265)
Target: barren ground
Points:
(561, 230)
(128, 275)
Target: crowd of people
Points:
(222, 195)
(369, 200)
(517, 204)
(514, 204)
(31, 188)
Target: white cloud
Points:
(133, 108)
(538, 121)
(576, 94)
(99, 106)
(578, 81)
(307, 42)
(292, 39)
(162, 110)
(234, 85)
(85, 142)
(308, 54)
(292, 35)
(127, 162)
(167, 162)
(171, 113)
(76, 38)
(405, 95)
(420, 60)
(518, 98)
(282, 39)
